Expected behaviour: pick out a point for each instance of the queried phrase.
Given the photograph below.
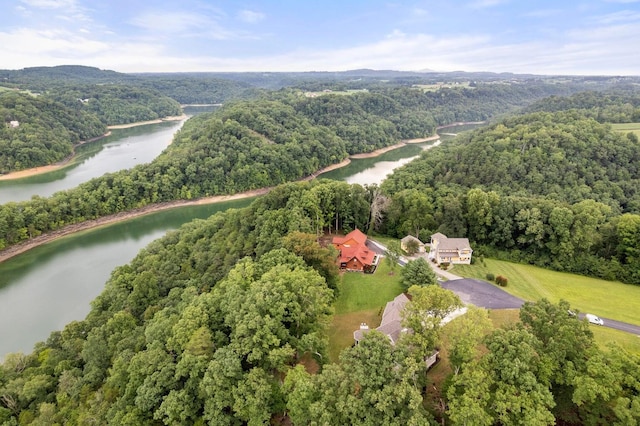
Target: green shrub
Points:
(490, 277)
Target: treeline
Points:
(224, 321)
(188, 331)
(619, 106)
(36, 131)
(197, 88)
(245, 145)
(210, 156)
(115, 103)
(185, 88)
(478, 103)
(554, 189)
(545, 370)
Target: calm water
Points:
(124, 149)
(375, 170)
(52, 285)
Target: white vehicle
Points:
(593, 319)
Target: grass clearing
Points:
(359, 292)
(362, 299)
(607, 299)
(627, 127)
(343, 326)
(605, 335)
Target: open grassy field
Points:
(437, 86)
(627, 127)
(360, 292)
(604, 298)
(334, 92)
(362, 299)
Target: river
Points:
(52, 285)
(375, 169)
(123, 149)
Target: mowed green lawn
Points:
(362, 299)
(604, 298)
(627, 127)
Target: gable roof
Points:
(445, 243)
(354, 245)
(455, 244)
(410, 238)
(391, 323)
(356, 235)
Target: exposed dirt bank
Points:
(51, 167)
(123, 216)
(24, 246)
(143, 123)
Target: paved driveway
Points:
(482, 293)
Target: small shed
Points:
(410, 239)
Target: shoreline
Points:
(42, 239)
(21, 174)
(144, 123)
(34, 171)
(24, 246)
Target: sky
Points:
(559, 37)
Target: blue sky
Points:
(590, 37)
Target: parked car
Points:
(593, 319)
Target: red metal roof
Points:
(353, 245)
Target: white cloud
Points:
(621, 16)
(183, 24)
(50, 4)
(48, 42)
(250, 16)
(543, 13)
(175, 22)
(483, 4)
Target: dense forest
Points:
(538, 188)
(36, 131)
(619, 106)
(185, 88)
(280, 137)
(400, 111)
(116, 104)
(224, 322)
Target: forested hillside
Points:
(36, 131)
(116, 104)
(185, 88)
(225, 322)
(619, 106)
(246, 145)
(543, 188)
